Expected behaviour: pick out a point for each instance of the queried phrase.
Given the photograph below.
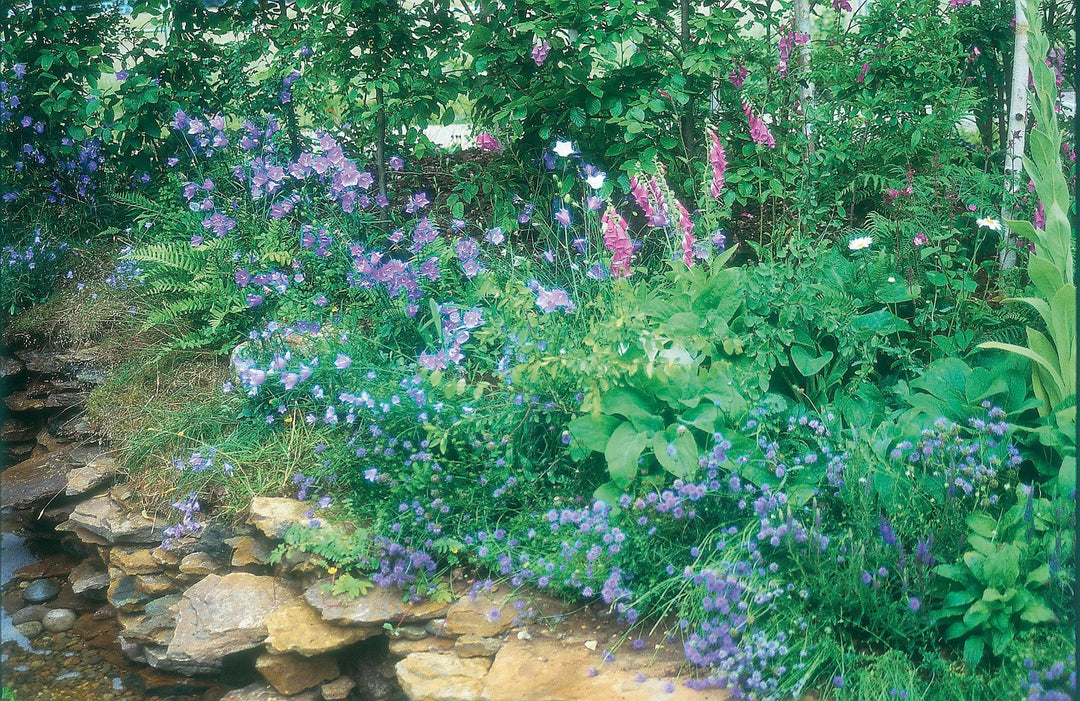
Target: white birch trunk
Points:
(1018, 107)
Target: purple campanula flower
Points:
(342, 362)
(397, 163)
(562, 216)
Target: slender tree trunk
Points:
(380, 139)
(1017, 128)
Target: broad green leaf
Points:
(881, 322)
(974, 647)
(1038, 612)
(982, 524)
(594, 431)
(634, 406)
(1002, 568)
(807, 365)
(622, 452)
(1039, 576)
(722, 295)
(683, 324)
(679, 455)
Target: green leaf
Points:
(594, 432)
(703, 416)
(683, 324)
(679, 456)
(982, 524)
(974, 647)
(1038, 612)
(1002, 568)
(634, 406)
(1039, 576)
(807, 365)
(722, 295)
(881, 322)
(958, 598)
(608, 493)
(1000, 639)
(622, 452)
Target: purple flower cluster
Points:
(1052, 684)
(188, 525)
(967, 460)
(456, 327)
(401, 566)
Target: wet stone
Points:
(198, 564)
(58, 620)
(87, 577)
(30, 613)
(338, 689)
(30, 629)
(40, 591)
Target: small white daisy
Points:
(860, 242)
(989, 223)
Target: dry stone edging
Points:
(184, 611)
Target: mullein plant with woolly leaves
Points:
(1052, 351)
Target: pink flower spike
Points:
(617, 241)
(687, 227)
(486, 142)
(718, 161)
(758, 131)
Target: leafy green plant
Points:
(1050, 267)
(995, 592)
(344, 551)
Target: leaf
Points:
(809, 366)
(683, 324)
(1039, 576)
(608, 493)
(703, 416)
(982, 524)
(1000, 639)
(594, 431)
(679, 456)
(958, 598)
(974, 647)
(881, 322)
(622, 452)
(634, 406)
(1002, 568)
(1037, 612)
(722, 295)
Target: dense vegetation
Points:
(673, 333)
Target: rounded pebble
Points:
(30, 629)
(58, 620)
(40, 590)
(28, 613)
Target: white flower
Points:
(860, 242)
(563, 149)
(596, 180)
(989, 223)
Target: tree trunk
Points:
(1018, 106)
(380, 139)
